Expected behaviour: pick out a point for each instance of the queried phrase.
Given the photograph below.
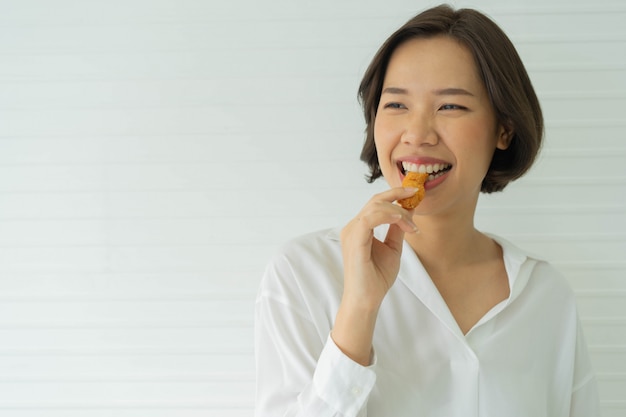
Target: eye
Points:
(394, 105)
(452, 107)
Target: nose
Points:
(420, 130)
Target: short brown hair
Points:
(507, 83)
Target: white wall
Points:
(153, 153)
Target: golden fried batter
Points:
(415, 180)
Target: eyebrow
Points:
(395, 90)
(452, 91)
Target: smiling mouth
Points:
(434, 170)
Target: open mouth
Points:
(434, 170)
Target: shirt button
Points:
(356, 391)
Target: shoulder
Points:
(553, 282)
(309, 265)
(310, 250)
(539, 272)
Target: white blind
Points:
(153, 153)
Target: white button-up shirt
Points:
(526, 357)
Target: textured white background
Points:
(153, 153)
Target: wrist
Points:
(361, 303)
(354, 330)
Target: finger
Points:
(395, 238)
(394, 194)
(362, 228)
(378, 211)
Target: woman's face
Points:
(435, 115)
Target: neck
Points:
(448, 243)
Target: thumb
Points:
(395, 238)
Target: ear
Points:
(505, 135)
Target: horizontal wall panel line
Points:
(95, 137)
(568, 237)
(95, 164)
(125, 298)
(557, 39)
(242, 271)
(126, 352)
(225, 245)
(140, 379)
(613, 404)
(303, 46)
(185, 325)
(608, 348)
(108, 246)
(571, 67)
(148, 77)
(585, 123)
(552, 181)
(611, 376)
(352, 45)
(584, 152)
(214, 188)
(544, 9)
(482, 210)
(580, 95)
(615, 321)
(182, 269)
(330, 215)
(592, 266)
(549, 209)
(225, 323)
(601, 293)
(220, 405)
(98, 161)
(209, 103)
(209, 15)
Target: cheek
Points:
(383, 135)
(383, 147)
(480, 139)
(482, 151)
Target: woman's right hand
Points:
(371, 265)
(370, 269)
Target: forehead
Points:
(439, 60)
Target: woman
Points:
(417, 313)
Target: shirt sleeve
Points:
(299, 372)
(342, 383)
(585, 398)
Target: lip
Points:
(421, 160)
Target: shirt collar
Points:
(514, 258)
(519, 265)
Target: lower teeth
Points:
(436, 175)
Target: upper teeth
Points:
(408, 166)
